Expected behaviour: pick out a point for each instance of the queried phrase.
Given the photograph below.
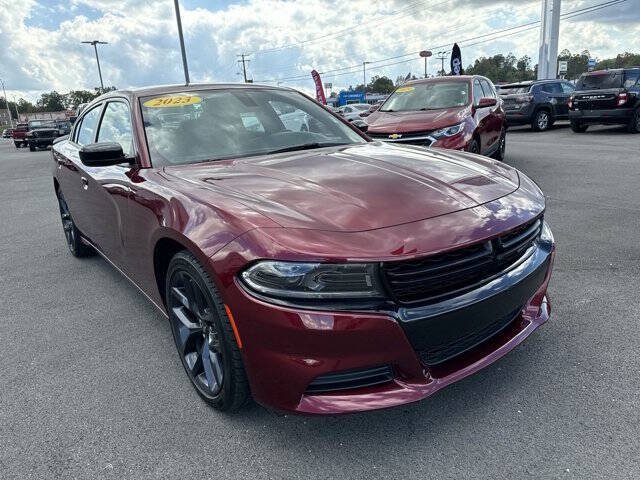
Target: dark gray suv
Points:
(538, 103)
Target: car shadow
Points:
(559, 125)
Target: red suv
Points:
(459, 113)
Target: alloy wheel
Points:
(543, 120)
(197, 337)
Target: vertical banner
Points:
(319, 90)
(456, 60)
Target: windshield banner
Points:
(319, 90)
(456, 60)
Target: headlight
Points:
(448, 131)
(313, 281)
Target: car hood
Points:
(354, 188)
(407, 122)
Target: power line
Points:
(493, 35)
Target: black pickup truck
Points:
(606, 97)
(42, 133)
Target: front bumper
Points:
(613, 116)
(285, 349)
(40, 141)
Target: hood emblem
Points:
(395, 136)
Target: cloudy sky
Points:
(40, 47)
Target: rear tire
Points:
(542, 121)
(634, 124)
(203, 335)
(17, 144)
(71, 232)
(578, 127)
(32, 148)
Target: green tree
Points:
(51, 102)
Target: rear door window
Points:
(567, 88)
(488, 91)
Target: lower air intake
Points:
(350, 379)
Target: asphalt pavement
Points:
(91, 386)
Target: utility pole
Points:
(549, 33)
(244, 61)
(95, 43)
(364, 79)
(15, 105)
(181, 38)
(442, 55)
(6, 102)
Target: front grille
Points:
(595, 101)
(414, 138)
(44, 133)
(440, 353)
(350, 379)
(438, 277)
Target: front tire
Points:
(578, 127)
(32, 148)
(499, 153)
(203, 335)
(474, 147)
(71, 232)
(542, 121)
(17, 144)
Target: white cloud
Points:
(143, 47)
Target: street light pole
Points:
(15, 105)
(184, 53)
(6, 102)
(95, 48)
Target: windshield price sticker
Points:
(405, 89)
(172, 101)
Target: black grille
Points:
(350, 379)
(414, 138)
(436, 354)
(438, 277)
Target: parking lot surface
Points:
(91, 385)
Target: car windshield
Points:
(598, 81)
(513, 89)
(199, 126)
(41, 124)
(428, 96)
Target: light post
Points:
(15, 105)
(184, 53)
(364, 79)
(441, 56)
(95, 48)
(6, 102)
(425, 54)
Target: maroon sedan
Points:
(316, 270)
(459, 113)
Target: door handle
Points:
(85, 183)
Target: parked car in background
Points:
(64, 126)
(353, 110)
(459, 113)
(42, 133)
(19, 135)
(537, 103)
(318, 271)
(7, 133)
(606, 97)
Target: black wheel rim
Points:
(67, 223)
(196, 335)
(543, 120)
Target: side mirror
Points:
(487, 102)
(103, 154)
